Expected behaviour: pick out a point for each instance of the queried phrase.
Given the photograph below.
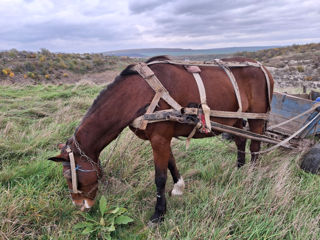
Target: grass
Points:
(274, 200)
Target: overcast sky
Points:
(97, 26)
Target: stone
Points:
(311, 160)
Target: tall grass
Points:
(274, 200)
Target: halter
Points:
(74, 168)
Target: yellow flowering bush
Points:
(5, 71)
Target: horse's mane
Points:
(116, 81)
(158, 58)
(129, 71)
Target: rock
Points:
(311, 160)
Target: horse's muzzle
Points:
(84, 204)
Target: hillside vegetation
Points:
(293, 66)
(273, 200)
(47, 67)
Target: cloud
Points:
(142, 6)
(96, 25)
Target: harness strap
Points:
(149, 76)
(193, 132)
(152, 106)
(73, 171)
(206, 63)
(268, 83)
(161, 92)
(203, 99)
(226, 65)
(232, 80)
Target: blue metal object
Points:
(284, 107)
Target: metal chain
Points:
(94, 165)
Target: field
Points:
(273, 200)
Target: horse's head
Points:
(81, 172)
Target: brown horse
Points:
(127, 98)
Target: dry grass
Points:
(274, 200)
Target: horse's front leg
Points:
(179, 185)
(161, 154)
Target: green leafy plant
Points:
(110, 217)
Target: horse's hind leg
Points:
(256, 126)
(241, 146)
(177, 179)
(161, 154)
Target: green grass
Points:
(274, 200)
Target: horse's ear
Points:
(58, 158)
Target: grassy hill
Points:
(273, 200)
(296, 52)
(47, 67)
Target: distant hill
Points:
(149, 52)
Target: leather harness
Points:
(200, 117)
(203, 123)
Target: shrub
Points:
(29, 67)
(31, 75)
(45, 52)
(42, 58)
(300, 68)
(5, 72)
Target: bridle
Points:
(96, 167)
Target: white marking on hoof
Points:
(152, 224)
(178, 188)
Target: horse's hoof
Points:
(240, 165)
(178, 188)
(152, 224)
(155, 219)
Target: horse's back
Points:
(220, 92)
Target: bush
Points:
(300, 68)
(29, 67)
